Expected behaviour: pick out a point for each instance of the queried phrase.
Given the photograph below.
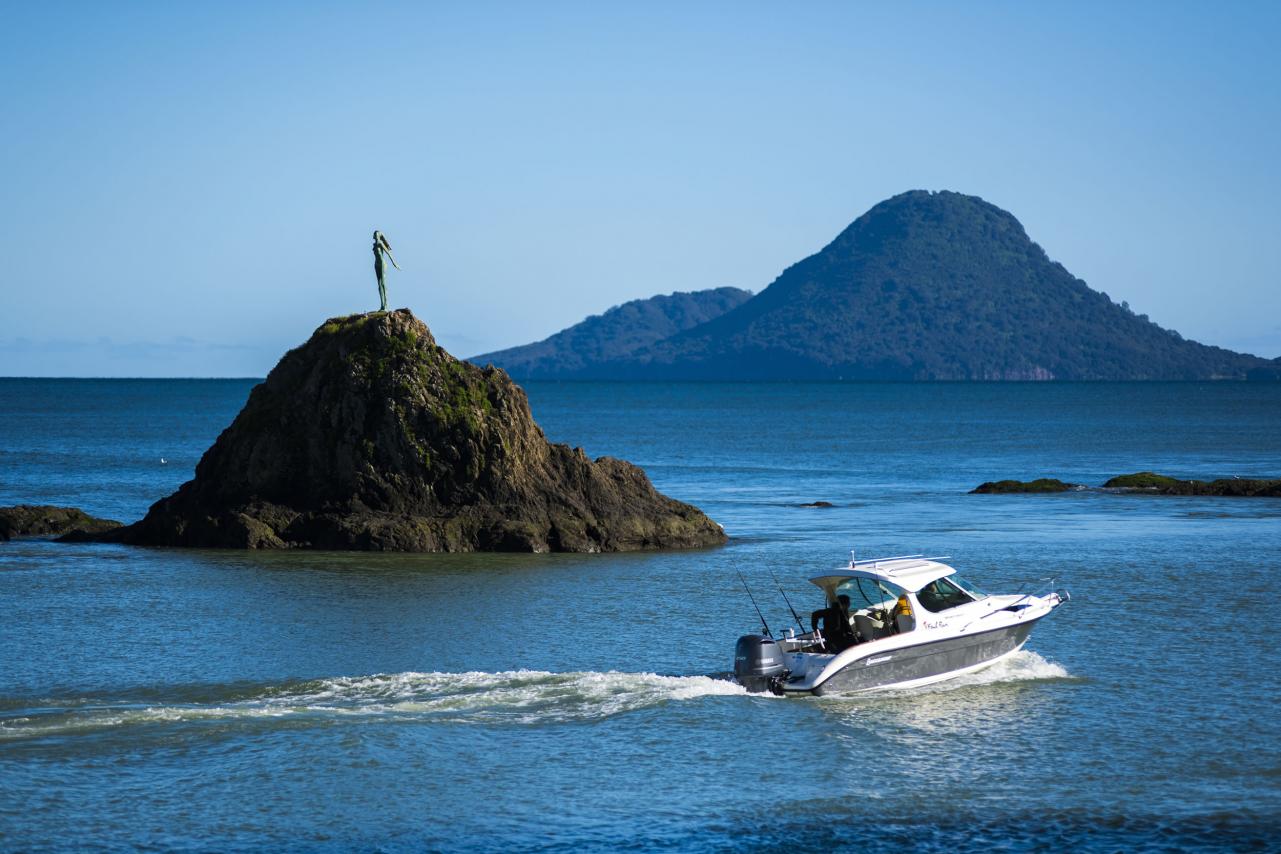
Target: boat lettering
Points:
(878, 660)
(938, 624)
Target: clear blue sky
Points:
(189, 188)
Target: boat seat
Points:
(905, 622)
(868, 628)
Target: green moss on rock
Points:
(1226, 487)
(1141, 480)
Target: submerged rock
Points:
(1044, 484)
(371, 436)
(46, 520)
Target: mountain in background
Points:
(924, 286)
(1266, 371)
(617, 334)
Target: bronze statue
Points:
(381, 246)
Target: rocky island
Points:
(1159, 484)
(1006, 487)
(46, 520)
(1144, 482)
(370, 436)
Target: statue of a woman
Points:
(381, 246)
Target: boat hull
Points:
(906, 667)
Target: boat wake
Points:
(521, 697)
(1022, 666)
(515, 697)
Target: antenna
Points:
(764, 624)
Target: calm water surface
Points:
(208, 700)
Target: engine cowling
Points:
(758, 663)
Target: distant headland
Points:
(371, 437)
(924, 286)
(616, 335)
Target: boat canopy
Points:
(909, 573)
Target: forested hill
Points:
(924, 286)
(616, 334)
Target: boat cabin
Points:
(872, 599)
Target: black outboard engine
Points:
(758, 663)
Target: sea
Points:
(192, 700)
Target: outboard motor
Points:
(758, 663)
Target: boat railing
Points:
(1048, 587)
(877, 561)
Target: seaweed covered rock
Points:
(1228, 487)
(1042, 484)
(1146, 482)
(1140, 480)
(371, 436)
(46, 520)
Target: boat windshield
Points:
(869, 593)
(964, 584)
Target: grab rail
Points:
(1049, 588)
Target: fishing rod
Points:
(764, 624)
(799, 625)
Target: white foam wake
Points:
(523, 696)
(520, 697)
(516, 697)
(1022, 666)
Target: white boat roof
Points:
(911, 572)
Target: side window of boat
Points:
(941, 594)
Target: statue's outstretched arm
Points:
(391, 259)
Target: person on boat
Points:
(835, 620)
(903, 621)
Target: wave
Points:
(513, 697)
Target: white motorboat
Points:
(895, 622)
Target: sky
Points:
(189, 189)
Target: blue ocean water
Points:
(316, 701)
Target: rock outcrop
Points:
(371, 436)
(1145, 482)
(1005, 487)
(1140, 480)
(1229, 487)
(46, 520)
